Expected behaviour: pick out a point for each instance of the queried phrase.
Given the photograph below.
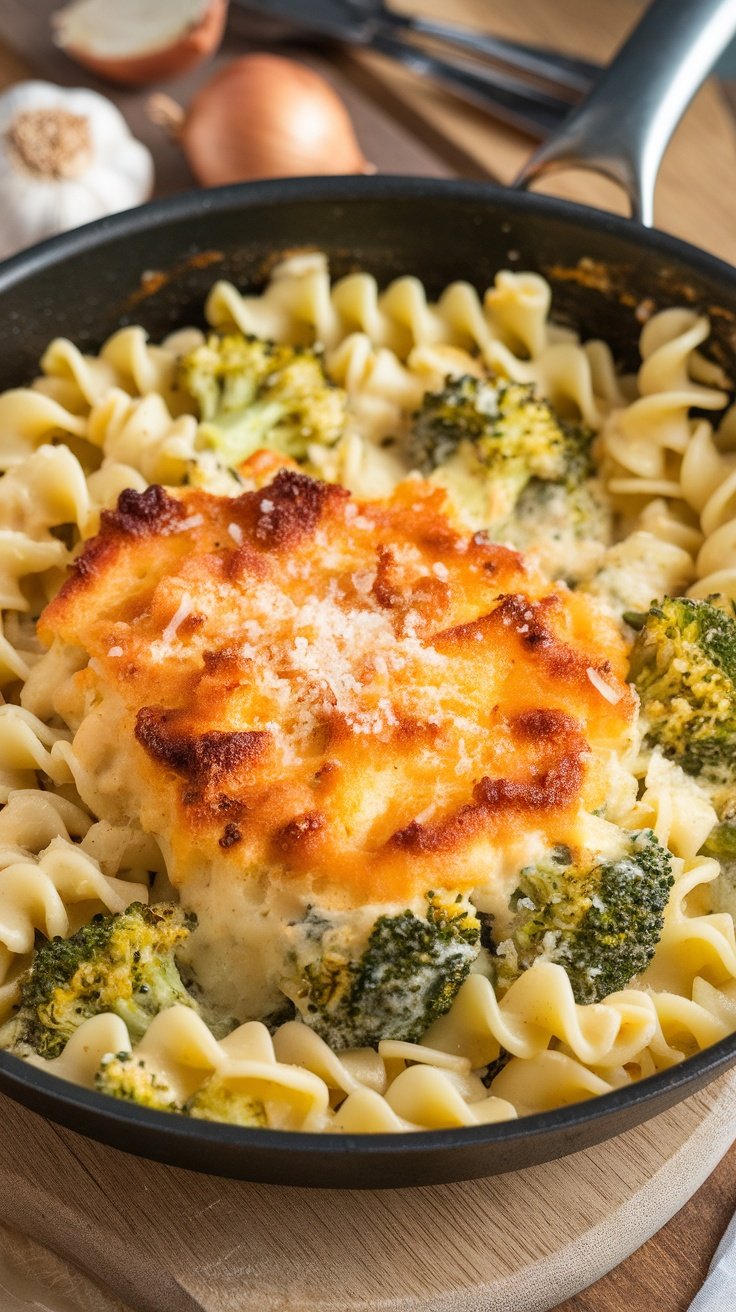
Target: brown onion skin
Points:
(198, 43)
(272, 136)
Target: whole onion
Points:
(263, 116)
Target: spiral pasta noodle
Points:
(294, 1074)
(682, 466)
(509, 330)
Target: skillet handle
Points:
(622, 127)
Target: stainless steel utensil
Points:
(562, 72)
(530, 109)
(510, 97)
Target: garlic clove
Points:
(140, 41)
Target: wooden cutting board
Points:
(165, 1240)
(143, 1237)
(168, 1240)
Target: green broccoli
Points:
(121, 963)
(683, 664)
(252, 393)
(221, 1100)
(601, 922)
(561, 521)
(481, 435)
(125, 1075)
(406, 977)
(721, 843)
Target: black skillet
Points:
(86, 283)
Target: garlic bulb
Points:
(66, 157)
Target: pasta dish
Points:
(368, 718)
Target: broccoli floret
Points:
(120, 963)
(220, 1100)
(721, 843)
(124, 1075)
(406, 978)
(569, 505)
(252, 393)
(488, 434)
(683, 664)
(600, 922)
(568, 525)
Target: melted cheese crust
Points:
(352, 697)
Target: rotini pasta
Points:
(121, 790)
(670, 472)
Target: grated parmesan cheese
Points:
(183, 609)
(611, 695)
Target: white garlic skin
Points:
(33, 206)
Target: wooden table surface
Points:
(406, 126)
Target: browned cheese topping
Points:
(346, 693)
